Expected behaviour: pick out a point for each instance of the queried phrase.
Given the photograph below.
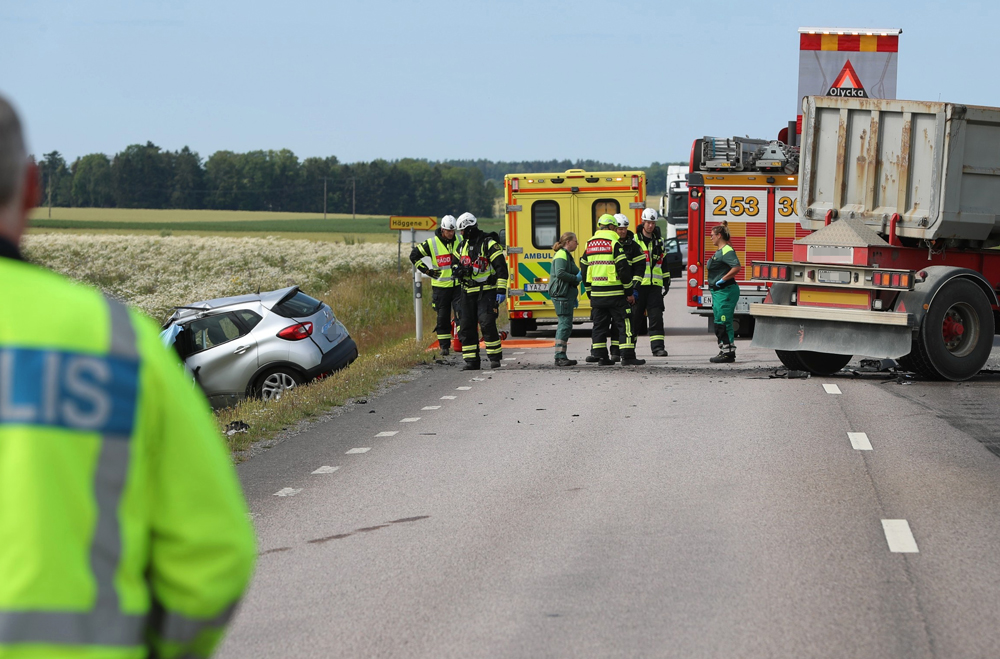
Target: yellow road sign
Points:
(419, 222)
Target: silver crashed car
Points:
(259, 344)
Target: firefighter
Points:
(125, 532)
(633, 253)
(648, 310)
(446, 293)
(721, 270)
(483, 274)
(607, 280)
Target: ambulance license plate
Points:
(536, 288)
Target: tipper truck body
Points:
(903, 198)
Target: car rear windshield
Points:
(299, 305)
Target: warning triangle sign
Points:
(848, 83)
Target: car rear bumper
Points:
(340, 356)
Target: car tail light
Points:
(514, 185)
(635, 182)
(296, 332)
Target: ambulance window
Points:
(602, 207)
(544, 224)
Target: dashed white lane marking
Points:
(517, 353)
(462, 388)
(431, 407)
(899, 537)
(478, 380)
(831, 388)
(859, 441)
(448, 397)
(387, 433)
(287, 492)
(409, 419)
(326, 470)
(358, 450)
(509, 359)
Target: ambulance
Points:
(539, 209)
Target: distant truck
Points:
(904, 198)
(540, 208)
(752, 185)
(674, 202)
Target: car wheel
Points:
(275, 382)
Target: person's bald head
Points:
(18, 177)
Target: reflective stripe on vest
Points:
(439, 254)
(653, 274)
(601, 273)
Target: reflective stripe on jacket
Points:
(489, 268)
(443, 256)
(653, 273)
(562, 278)
(605, 266)
(124, 527)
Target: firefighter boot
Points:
(471, 365)
(616, 355)
(629, 359)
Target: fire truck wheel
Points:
(956, 335)
(518, 327)
(823, 363)
(790, 359)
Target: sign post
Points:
(425, 223)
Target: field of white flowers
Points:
(156, 274)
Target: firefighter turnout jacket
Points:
(443, 255)
(652, 250)
(635, 257)
(485, 266)
(124, 530)
(605, 267)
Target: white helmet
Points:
(649, 215)
(448, 223)
(466, 220)
(621, 220)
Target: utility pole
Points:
(354, 198)
(49, 187)
(324, 197)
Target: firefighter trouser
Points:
(444, 300)
(723, 308)
(564, 313)
(648, 313)
(479, 309)
(610, 314)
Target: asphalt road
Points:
(680, 509)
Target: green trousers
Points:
(724, 307)
(564, 313)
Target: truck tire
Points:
(790, 359)
(956, 335)
(822, 363)
(518, 327)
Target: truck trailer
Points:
(903, 199)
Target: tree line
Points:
(146, 176)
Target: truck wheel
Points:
(956, 335)
(823, 363)
(518, 327)
(790, 359)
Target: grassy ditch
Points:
(377, 309)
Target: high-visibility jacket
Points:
(652, 274)
(123, 529)
(489, 267)
(443, 256)
(635, 256)
(606, 271)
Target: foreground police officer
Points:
(124, 531)
(484, 288)
(446, 293)
(648, 310)
(607, 279)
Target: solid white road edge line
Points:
(287, 492)
(859, 441)
(358, 450)
(387, 433)
(831, 388)
(326, 470)
(899, 537)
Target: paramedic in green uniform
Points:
(564, 286)
(722, 269)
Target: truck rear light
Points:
(514, 185)
(692, 282)
(635, 182)
(296, 332)
(693, 268)
(893, 279)
(520, 314)
(771, 272)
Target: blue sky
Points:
(629, 82)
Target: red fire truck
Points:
(752, 185)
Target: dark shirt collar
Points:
(9, 250)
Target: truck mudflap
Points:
(831, 336)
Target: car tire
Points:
(273, 382)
